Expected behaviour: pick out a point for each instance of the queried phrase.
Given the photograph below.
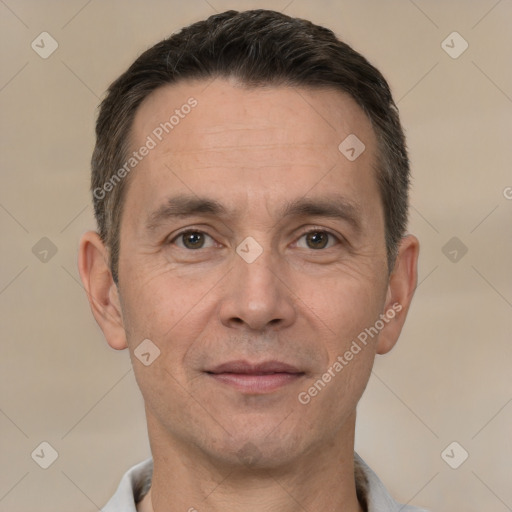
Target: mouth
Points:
(255, 378)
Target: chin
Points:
(263, 448)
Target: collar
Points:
(136, 483)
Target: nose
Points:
(257, 295)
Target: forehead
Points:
(262, 143)
(253, 115)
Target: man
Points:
(250, 183)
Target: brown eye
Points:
(192, 240)
(317, 239)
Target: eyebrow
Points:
(332, 207)
(184, 205)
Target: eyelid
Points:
(184, 231)
(320, 229)
(303, 232)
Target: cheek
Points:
(345, 310)
(172, 312)
(345, 303)
(329, 399)
(158, 298)
(349, 305)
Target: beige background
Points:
(447, 380)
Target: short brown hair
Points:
(257, 47)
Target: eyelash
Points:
(305, 233)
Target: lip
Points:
(244, 367)
(255, 378)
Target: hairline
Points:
(378, 165)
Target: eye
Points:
(192, 239)
(318, 239)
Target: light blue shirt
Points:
(135, 484)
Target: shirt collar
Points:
(136, 482)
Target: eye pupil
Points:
(317, 239)
(193, 240)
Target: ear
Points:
(401, 287)
(101, 290)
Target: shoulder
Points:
(133, 486)
(375, 493)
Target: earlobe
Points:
(101, 289)
(401, 287)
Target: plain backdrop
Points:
(447, 380)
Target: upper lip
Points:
(244, 367)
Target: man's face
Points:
(284, 297)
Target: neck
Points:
(320, 479)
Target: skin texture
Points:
(252, 150)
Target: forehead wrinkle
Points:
(252, 166)
(216, 147)
(290, 156)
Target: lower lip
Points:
(256, 383)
